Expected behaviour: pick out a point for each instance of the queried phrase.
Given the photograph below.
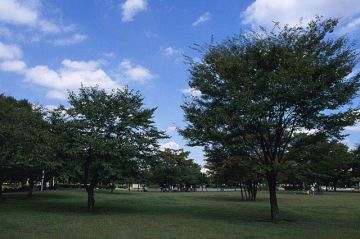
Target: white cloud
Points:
(15, 66)
(151, 35)
(169, 145)
(71, 40)
(264, 12)
(306, 131)
(70, 76)
(351, 25)
(82, 65)
(31, 21)
(171, 52)
(109, 54)
(129, 72)
(203, 18)
(171, 129)
(56, 94)
(51, 107)
(19, 12)
(132, 7)
(191, 91)
(28, 13)
(10, 51)
(354, 128)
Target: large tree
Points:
(8, 106)
(257, 89)
(103, 133)
(25, 141)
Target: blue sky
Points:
(47, 47)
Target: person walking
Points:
(312, 190)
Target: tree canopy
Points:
(257, 89)
(105, 132)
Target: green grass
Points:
(178, 215)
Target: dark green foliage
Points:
(257, 89)
(105, 135)
(356, 165)
(229, 169)
(174, 169)
(319, 160)
(25, 141)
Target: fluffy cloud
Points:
(56, 94)
(352, 25)
(71, 40)
(28, 13)
(132, 7)
(306, 131)
(72, 74)
(128, 71)
(171, 52)
(355, 128)
(169, 145)
(16, 12)
(9, 51)
(29, 20)
(70, 77)
(16, 66)
(191, 91)
(264, 12)
(203, 18)
(171, 129)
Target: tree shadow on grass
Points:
(227, 198)
(212, 208)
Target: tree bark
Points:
(91, 199)
(241, 190)
(31, 187)
(1, 184)
(271, 178)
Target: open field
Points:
(178, 215)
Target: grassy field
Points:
(178, 215)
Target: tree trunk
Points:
(1, 184)
(245, 193)
(271, 178)
(253, 190)
(31, 187)
(241, 190)
(91, 199)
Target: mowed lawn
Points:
(178, 215)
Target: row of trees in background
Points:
(101, 138)
(25, 142)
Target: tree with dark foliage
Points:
(103, 133)
(257, 89)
